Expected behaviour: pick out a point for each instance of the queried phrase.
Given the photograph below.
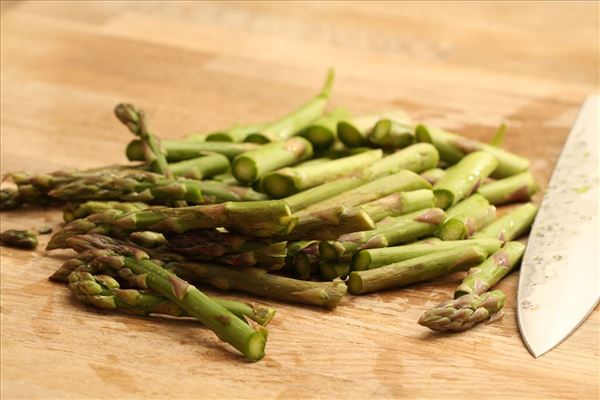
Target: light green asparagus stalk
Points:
(134, 186)
(375, 258)
(464, 178)
(433, 175)
(81, 210)
(391, 231)
(219, 192)
(154, 154)
(288, 181)
(453, 148)
(415, 270)
(202, 167)
(466, 218)
(330, 223)
(511, 225)
(296, 121)
(20, 239)
(516, 188)
(261, 283)
(481, 278)
(179, 150)
(103, 291)
(389, 134)
(397, 204)
(356, 131)
(461, 314)
(322, 132)
(249, 340)
(251, 165)
(417, 158)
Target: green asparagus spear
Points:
(218, 192)
(148, 239)
(461, 314)
(304, 256)
(237, 133)
(511, 225)
(330, 223)
(333, 270)
(103, 291)
(375, 258)
(132, 186)
(154, 154)
(391, 231)
(261, 283)
(9, 199)
(516, 188)
(179, 150)
(296, 121)
(397, 204)
(322, 132)
(481, 278)
(356, 131)
(389, 134)
(433, 175)
(466, 218)
(464, 178)
(75, 211)
(291, 180)
(249, 340)
(415, 158)
(251, 165)
(201, 167)
(453, 148)
(19, 239)
(415, 270)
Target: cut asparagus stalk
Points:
(322, 132)
(154, 154)
(236, 134)
(453, 148)
(415, 270)
(179, 150)
(461, 314)
(218, 192)
(414, 158)
(296, 121)
(511, 225)
(330, 223)
(389, 134)
(333, 270)
(201, 167)
(134, 186)
(397, 204)
(261, 283)
(391, 231)
(249, 340)
(288, 181)
(403, 181)
(516, 188)
(433, 175)
(75, 211)
(466, 218)
(305, 261)
(375, 258)
(19, 239)
(251, 165)
(356, 131)
(481, 278)
(103, 291)
(464, 178)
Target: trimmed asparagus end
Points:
(422, 134)
(257, 138)
(361, 261)
(244, 170)
(219, 137)
(320, 137)
(354, 283)
(256, 346)
(453, 230)
(349, 135)
(330, 251)
(279, 185)
(443, 198)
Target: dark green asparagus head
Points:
(19, 239)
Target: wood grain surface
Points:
(199, 66)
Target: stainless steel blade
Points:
(559, 283)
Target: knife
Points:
(559, 283)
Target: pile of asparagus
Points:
(302, 209)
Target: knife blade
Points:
(559, 283)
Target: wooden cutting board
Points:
(201, 66)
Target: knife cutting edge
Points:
(559, 283)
